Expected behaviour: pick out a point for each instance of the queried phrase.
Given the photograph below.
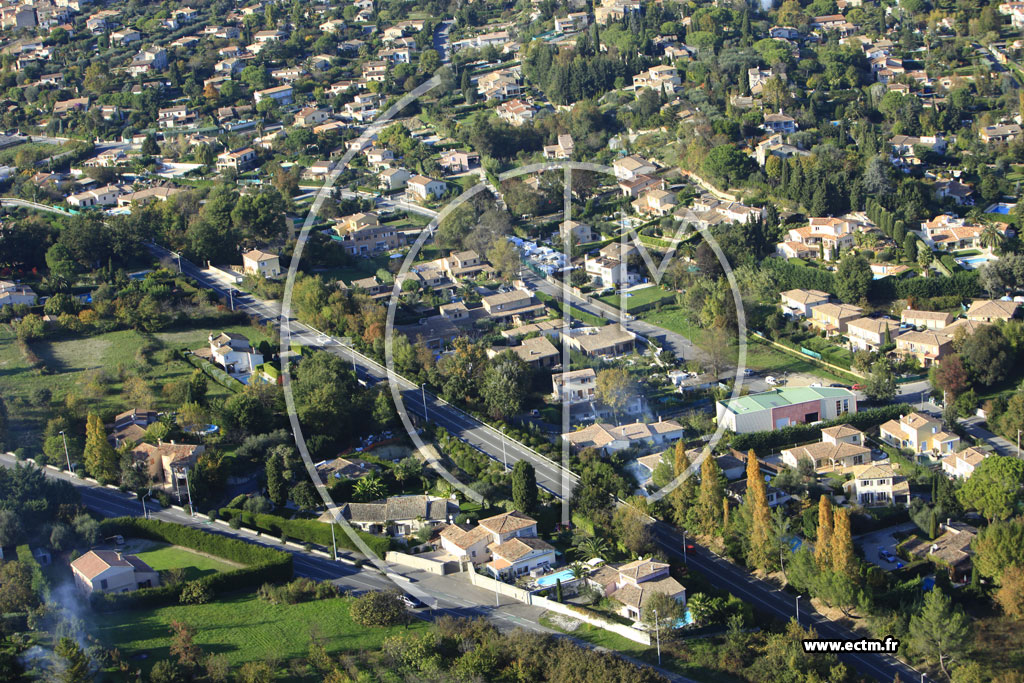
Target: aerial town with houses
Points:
(402, 340)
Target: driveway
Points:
(883, 538)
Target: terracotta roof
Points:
(507, 522)
(95, 562)
(464, 537)
(518, 548)
(638, 569)
(637, 596)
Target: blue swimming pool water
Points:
(1000, 208)
(552, 579)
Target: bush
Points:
(196, 593)
(378, 608)
(294, 592)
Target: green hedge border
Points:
(804, 433)
(263, 564)
(305, 530)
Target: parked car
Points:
(857, 387)
(884, 554)
(411, 601)
(770, 380)
(747, 372)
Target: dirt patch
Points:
(563, 622)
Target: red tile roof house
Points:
(109, 571)
(633, 584)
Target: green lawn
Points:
(243, 628)
(74, 364)
(639, 298)
(760, 357)
(161, 556)
(40, 149)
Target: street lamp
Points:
(423, 393)
(145, 512)
(68, 456)
(798, 608)
(684, 546)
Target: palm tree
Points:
(592, 547)
(370, 487)
(579, 570)
(991, 238)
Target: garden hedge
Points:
(768, 441)
(263, 565)
(213, 372)
(304, 530)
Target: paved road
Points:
(441, 39)
(721, 573)
(35, 206)
(766, 598)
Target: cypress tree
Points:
(822, 546)
(711, 492)
(842, 543)
(760, 553)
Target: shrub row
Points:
(213, 372)
(767, 441)
(263, 565)
(39, 583)
(304, 530)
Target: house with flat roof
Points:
(784, 406)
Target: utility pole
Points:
(71, 471)
(684, 546)
(504, 457)
(334, 543)
(231, 296)
(145, 512)
(423, 392)
(798, 608)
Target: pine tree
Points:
(843, 560)
(72, 663)
(725, 515)
(822, 546)
(711, 492)
(760, 554)
(100, 459)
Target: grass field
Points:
(243, 628)
(161, 556)
(760, 357)
(594, 635)
(75, 364)
(639, 298)
(40, 150)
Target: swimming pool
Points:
(552, 579)
(1001, 208)
(972, 262)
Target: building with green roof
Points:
(782, 407)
